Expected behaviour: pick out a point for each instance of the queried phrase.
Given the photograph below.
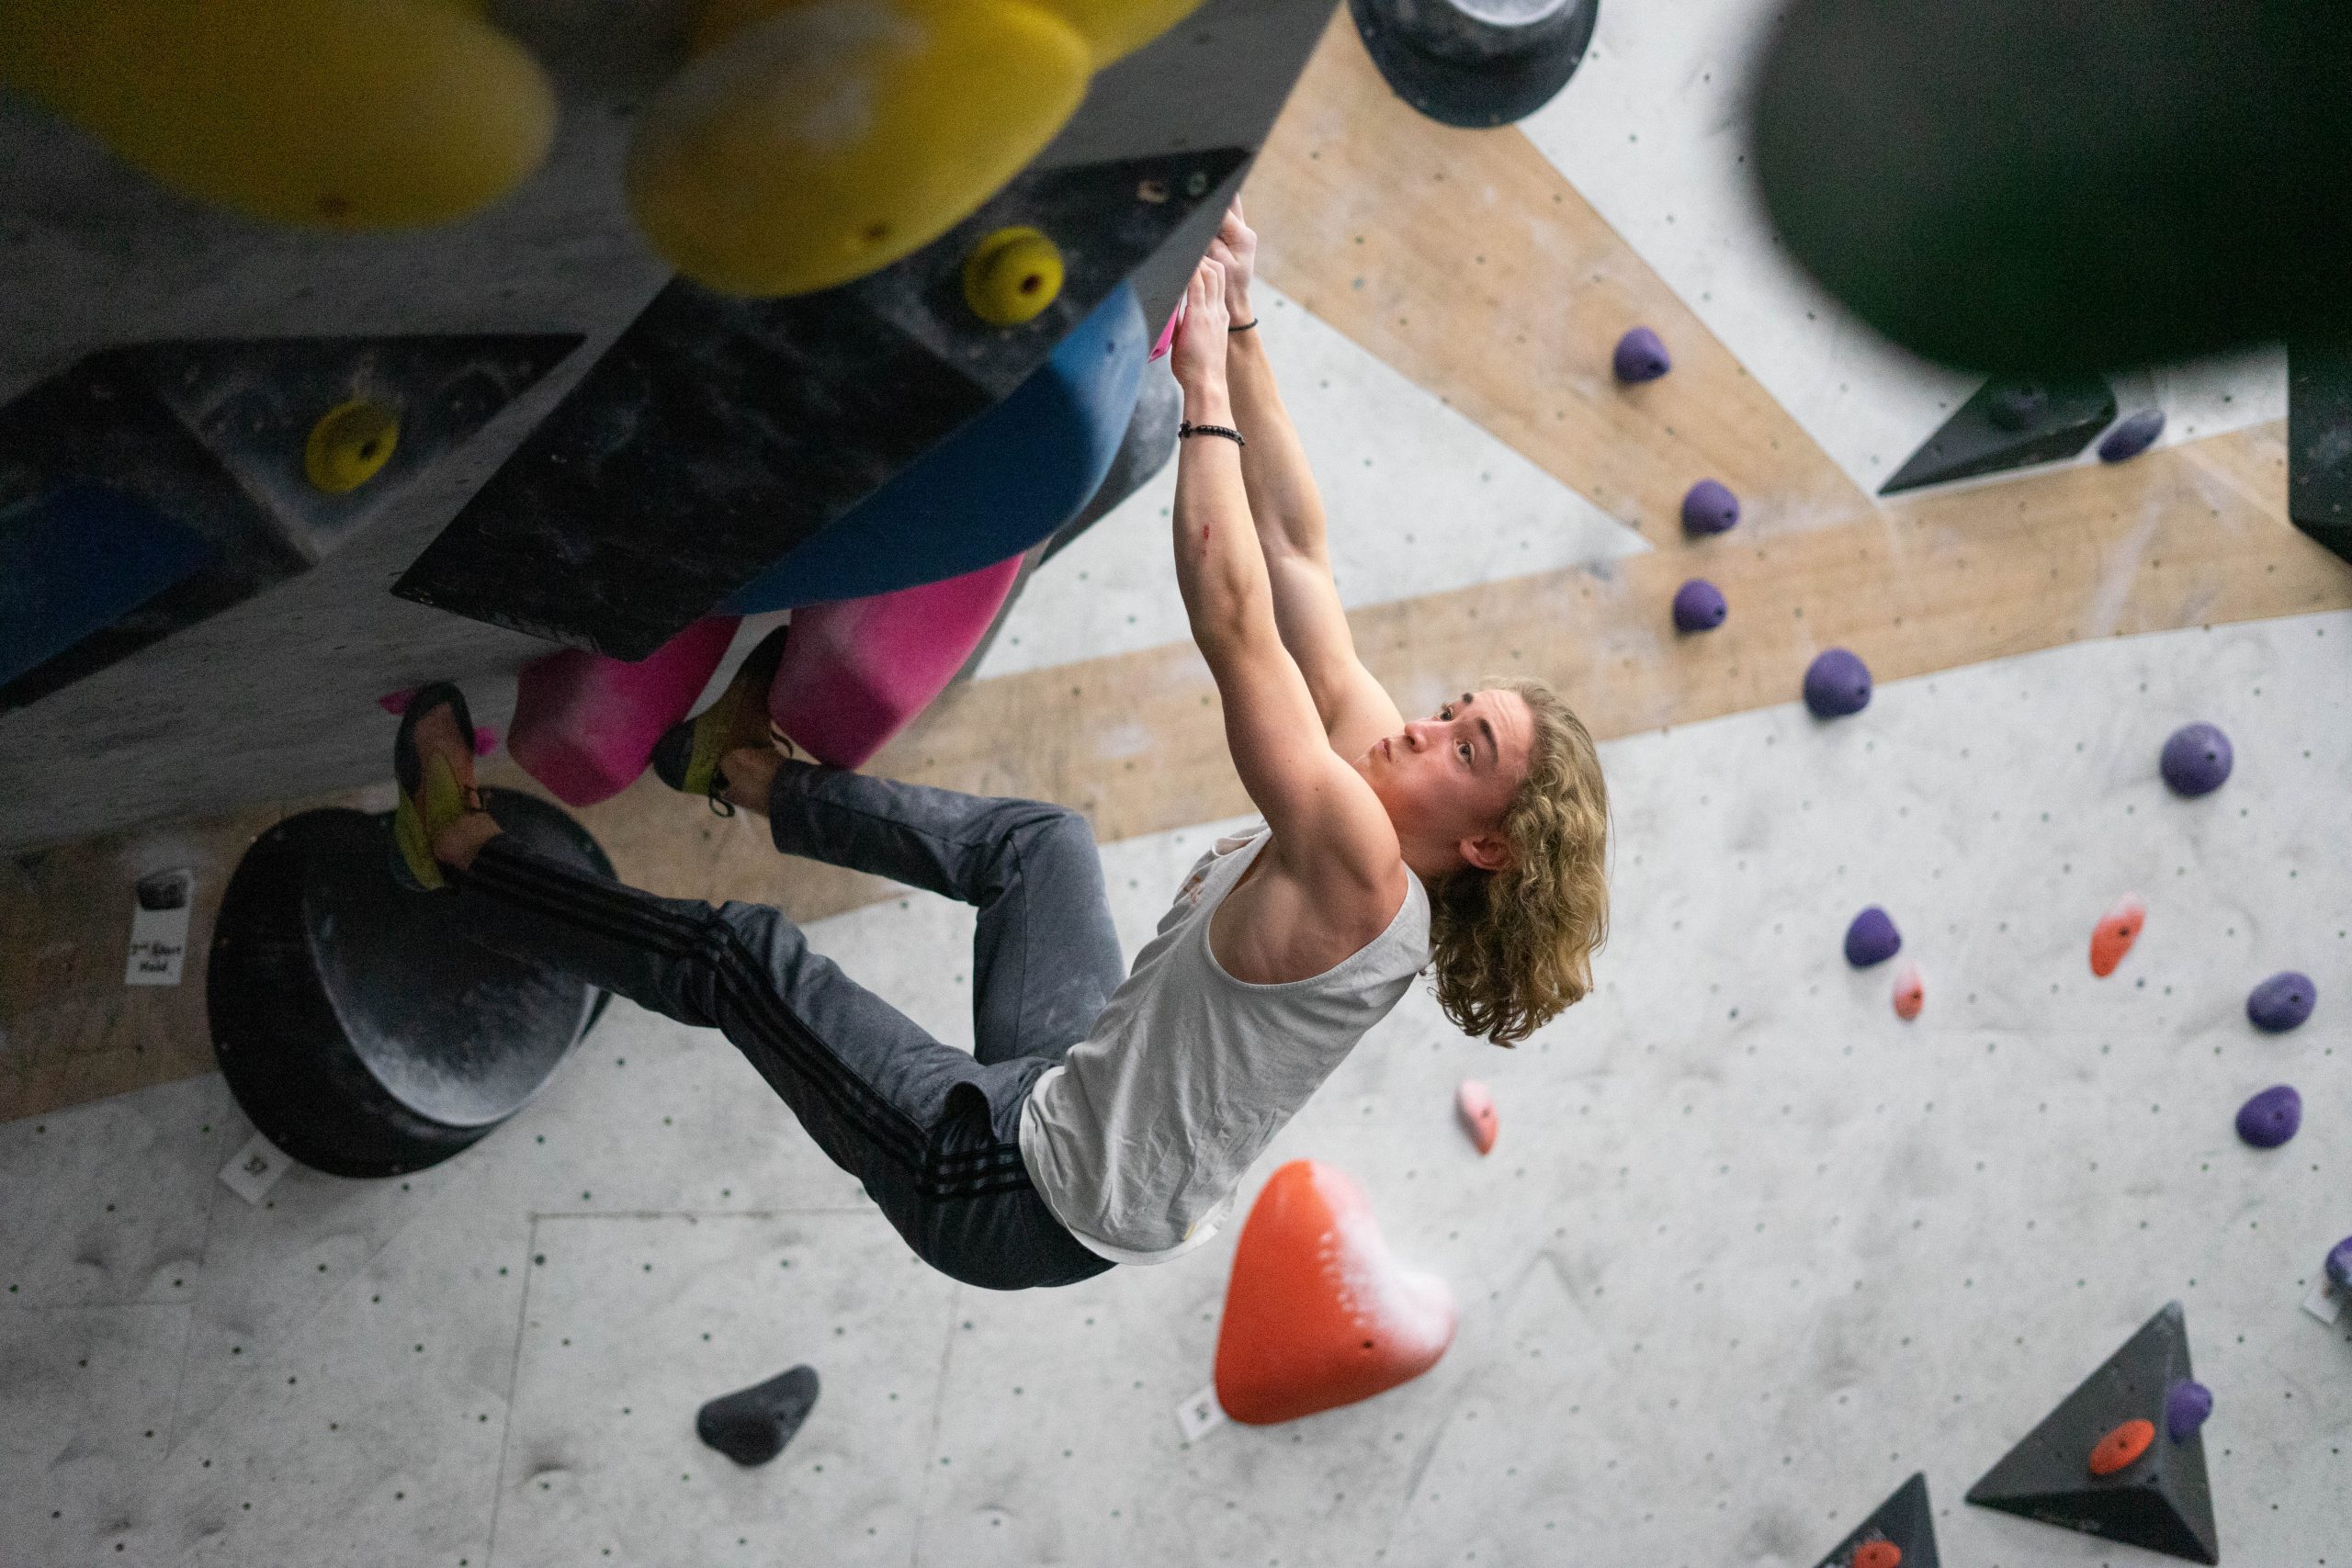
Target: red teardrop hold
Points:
(1877, 1554)
(1910, 993)
(1318, 1313)
(2116, 931)
(2123, 1446)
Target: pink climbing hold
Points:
(485, 739)
(1168, 333)
(396, 703)
(856, 671)
(585, 724)
(2116, 931)
(1476, 1101)
(1910, 993)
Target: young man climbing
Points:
(1101, 1118)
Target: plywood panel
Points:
(1464, 259)
(2186, 536)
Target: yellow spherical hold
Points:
(349, 445)
(828, 140)
(333, 114)
(1012, 275)
(1115, 29)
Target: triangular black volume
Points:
(2009, 424)
(101, 486)
(253, 401)
(2319, 442)
(1903, 1521)
(2160, 1501)
(717, 434)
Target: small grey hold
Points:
(753, 1425)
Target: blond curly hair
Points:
(1514, 947)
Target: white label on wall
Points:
(254, 1169)
(2325, 1302)
(1200, 1414)
(159, 928)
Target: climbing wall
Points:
(1749, 1253)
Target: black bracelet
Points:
(1249, 326)
(1188, 428)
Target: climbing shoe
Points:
(687, 756)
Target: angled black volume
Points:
(2009, 424)
(718, 433)
(2319, 441)
(1903, 1521)
(2161, 1500)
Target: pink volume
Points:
(857, 671)
(585, 724)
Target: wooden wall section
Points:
(1464, 259)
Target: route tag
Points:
(159, 928)
(1200, 1416)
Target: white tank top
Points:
(1138, 1138)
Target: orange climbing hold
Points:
(1910, 993)
(2121, 1448)
(1877, 1554)
(1318, 1313)
(1476, 1104)
(2116, 931)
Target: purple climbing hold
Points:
(2272, 1117)
(1836, 684)
(1699, 606)
(1709, 508)
(1871, 938)
(2196, 760)
(2186, 1404)
(2282, 1002)
(2339, 1264)
(2133, 436)
(1640, 357)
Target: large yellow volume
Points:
(819, 143)
(337, 114)
(1113, 28)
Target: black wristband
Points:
(1188, 428)
(1249, 326)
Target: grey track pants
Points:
(931, 1132)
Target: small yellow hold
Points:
(1115, 29)
(1012, 275)
(811, 147)
(332, 114)
(349, 445)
